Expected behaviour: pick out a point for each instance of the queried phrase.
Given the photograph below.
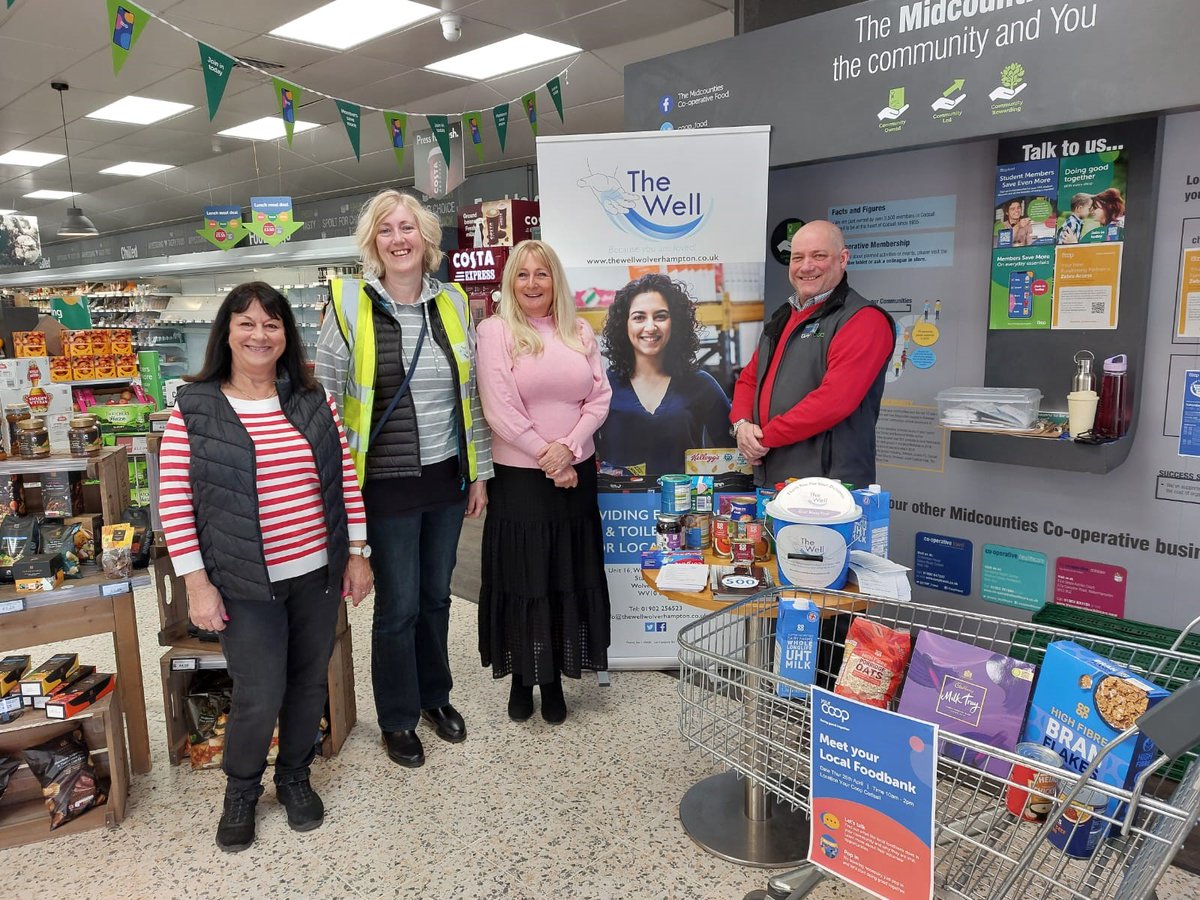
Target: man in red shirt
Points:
(808, 401)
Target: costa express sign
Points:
(481, 264)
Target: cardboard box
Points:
(80, 695)
(50, 401)
(83, 368)
(49, 675)
(28, 344)
(11, 670)
(78, 344)
(69, 685)
(60, 368)
(124, 418)
(43, 572)
(101, 342)
(126, 366)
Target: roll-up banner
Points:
(663, 238)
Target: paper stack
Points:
(880, 577)
(689, 577)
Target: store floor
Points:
(587, 809)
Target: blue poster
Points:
(1189, 426)
(872, 796)
(628, 523)
(943, 563)
(1013, 576)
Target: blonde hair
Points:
(525, 338)
(381, 206)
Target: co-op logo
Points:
(648, 203)
(834, 712)
(1195, 388)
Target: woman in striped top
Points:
(265, 523)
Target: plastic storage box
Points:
(998, 409)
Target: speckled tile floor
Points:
(588, 809)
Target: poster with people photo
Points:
(1093, 188)
(1025, 208)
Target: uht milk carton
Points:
(797, 635)
(1081, 702)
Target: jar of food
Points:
(14, 413)
(84, 436)
(33, 440)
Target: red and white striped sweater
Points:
(290, 510)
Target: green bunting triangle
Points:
(287, 98)
(352, 118)
(217, 67)
(126, 22)
(500, 114)
(554, 86)
(10, 3)
(473, 126)
(397, 125)
(529, 102)
(440, 126)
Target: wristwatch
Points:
(364, 551)
(733, 429)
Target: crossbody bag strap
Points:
(412, 368)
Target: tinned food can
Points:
(668, 532)
(742, 552)
(1080, 828)
(1017, 798)
(697, 531)
(721, 536)
(743, 508)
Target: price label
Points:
(185, 664)
(117, 587)
(12, 606)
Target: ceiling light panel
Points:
(267, 128)
(7, 212)
(520, 52)
(136, 169)
(50, 195)
(347, 23)
(133, 110)
(28, 158)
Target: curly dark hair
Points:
(218, 358)
(679, 356)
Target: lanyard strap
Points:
(412, 368)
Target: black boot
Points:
(554, 705)
(520, 700)
(305, 811)
(235, 831)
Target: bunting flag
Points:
(529, 101)
(500, 114)
(223, 226)
(10, 3)
(397, 124)
(554, 86)
(127, 21)
(217, 68)
(473, 126)
(440, 126)
(351, 117)
(287, 97)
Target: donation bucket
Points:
(814, 521)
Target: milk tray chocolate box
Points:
(1081, 702)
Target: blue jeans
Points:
(413, 559)
(277, 653)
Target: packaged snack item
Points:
(143, 534)
(796, 638)
(873, 663)
(968, 691)
(69, 782)
(62, 493)
(11, 708)
(11, 670)
(41, 572)
(81, 694)
(59, 539)
(116, 561)
(207, 708)
(18, 539)
(49, 675)
(86, 538)
(1082, 701)
(8, 765)
(80, 673)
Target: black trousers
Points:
(278, 657)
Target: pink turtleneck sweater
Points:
(560, 395)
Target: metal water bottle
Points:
(1084, 378)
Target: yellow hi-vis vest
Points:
(352, 306)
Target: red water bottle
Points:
(1114, 413)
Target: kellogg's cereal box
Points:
(1081, 702)
(715, 461)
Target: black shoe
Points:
(447, 722)
(305, 811)
(520, 701)
(404, 747)
(554, 705)
(235, 831)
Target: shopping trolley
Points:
(732, 712)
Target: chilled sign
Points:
(478, 264)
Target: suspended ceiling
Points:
(50, 40)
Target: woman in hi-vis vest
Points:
(397, 350)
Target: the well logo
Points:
(649, 203)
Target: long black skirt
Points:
(543, 599)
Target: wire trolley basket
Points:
(732, 712)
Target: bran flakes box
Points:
(1082, 701)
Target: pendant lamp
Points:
(76, 224)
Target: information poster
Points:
(1087, 280)
(943, 563)
(872, 797)
(1189, 295)
(1086, 584)
(1013, 576)
(1189, 422)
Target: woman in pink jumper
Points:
(543, 601)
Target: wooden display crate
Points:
(24, 818)
(180, 663)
